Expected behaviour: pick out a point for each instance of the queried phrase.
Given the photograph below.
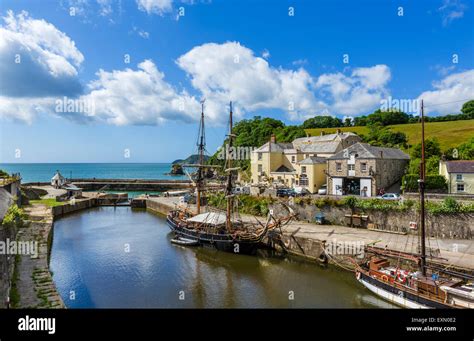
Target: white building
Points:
(57, 181)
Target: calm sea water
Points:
(92, 269)
(41, 172)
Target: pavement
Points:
(35, 284)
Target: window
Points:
(259, 156)
(351, 167)
(259, 168)
(303, 169)
(304, 181)
(293, 159)
(338, 166)
(458, 177)
(363, 167)
(460, 187)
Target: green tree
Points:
(466, 150)
(322, 122)
(360, 121)
(347, 122)
(388, 117)
(432, 148)
(289, 133)
(383, 136)
(468, 109)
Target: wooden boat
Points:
(223, 230)
(184, 241)
(426, 288)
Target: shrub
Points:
(432, 183)
(15, 216)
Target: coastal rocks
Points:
(177, 169)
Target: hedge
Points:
(432, 183)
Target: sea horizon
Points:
(43, 172)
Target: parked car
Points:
(241, 190)
(389, 196)
(323, 190)
(285, 192)
(300, 191)
(189, 199)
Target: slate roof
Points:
(323, 138)
(312, 160)
(461, 166)
(320, 147)
(275, 147)
(366, 151)
(283, 169)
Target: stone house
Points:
(362, 169)
(459, 175)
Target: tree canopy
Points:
(322, 122)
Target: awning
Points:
(211, 218)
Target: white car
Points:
(323, 190)
(242, 190)
(389, 196)
(300, 191)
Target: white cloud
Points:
(358, 93)
(141, 33)
(48, 63)
(139, 97)
(300, 62)
(451, 10)
(105, 7)
(218, 72)
(230, 71)
(453, 90)
(266, 54)
(155, 6)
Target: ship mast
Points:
(421, 184)
(228, 190)
(201, 148)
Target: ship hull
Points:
(395, 295)
(221, 242)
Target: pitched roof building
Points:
(459, 175)
(365, 170)
(300, 163)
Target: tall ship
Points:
(224, 230)
(429, 286)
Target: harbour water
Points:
(122, 258)
(42, 172)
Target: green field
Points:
(449, 134)
(51, 202)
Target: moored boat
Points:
(223, 230)
(429, 287)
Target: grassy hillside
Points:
(449, 134)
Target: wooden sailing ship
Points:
(429, 287)
(223, 230)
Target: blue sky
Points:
(142, 69)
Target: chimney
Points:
(381, 154)
(322, 132)
(338, 131)
(273, 138)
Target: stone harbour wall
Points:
(450, 226)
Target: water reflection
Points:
(89, 258)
